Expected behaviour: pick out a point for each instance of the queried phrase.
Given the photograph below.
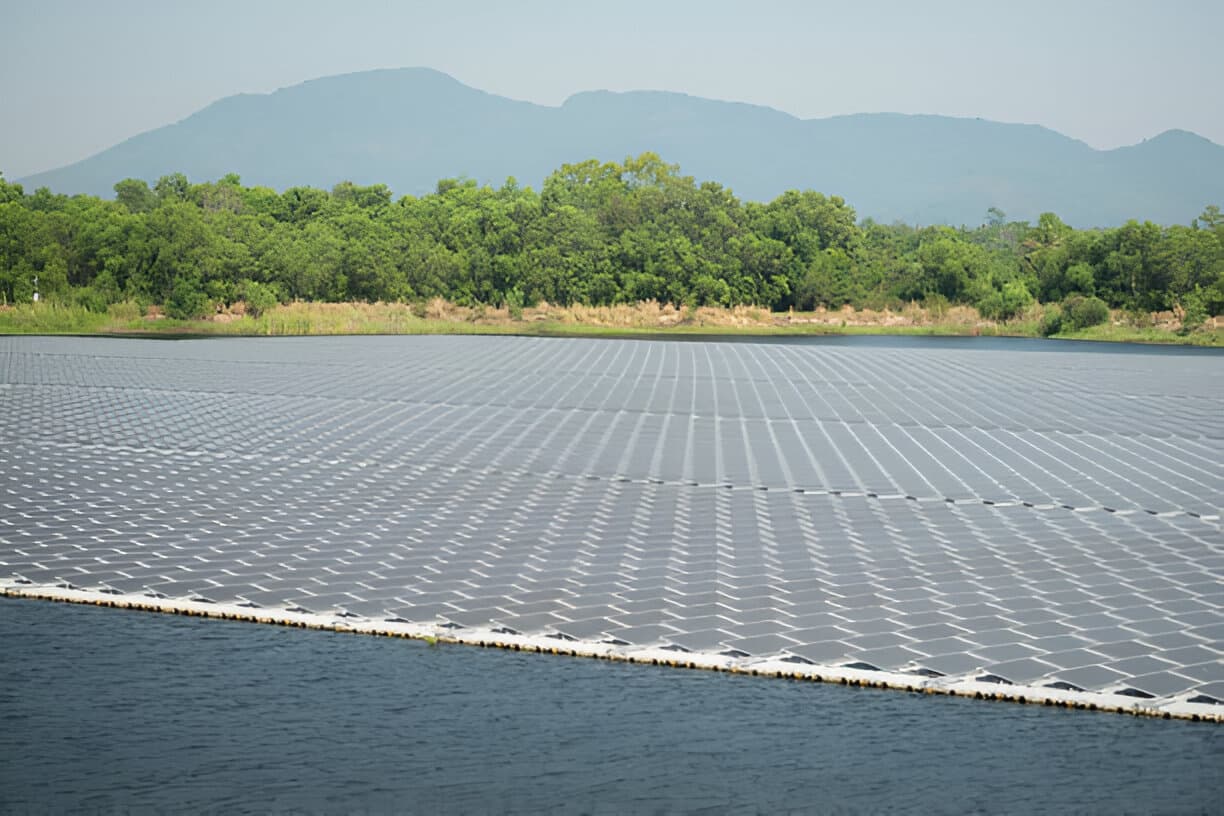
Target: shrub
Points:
(936, 304)
(1194, 311)
(1051, 321)
(1138, 318)
(259, 297)
(1013, 299)
(186, 301)
(125, 310)
(709, 291)
(90, 298)
(514, 304)
(1082, 312)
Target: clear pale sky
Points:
(78, 76)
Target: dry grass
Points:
(440, 315)
(649, 317)
(653, 315)
(961, 318)
(648, 314)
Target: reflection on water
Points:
(107, 710)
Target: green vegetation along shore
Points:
(602, 248)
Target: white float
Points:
(780, 666)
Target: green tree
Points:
(596, 233)
(135, 195)
(172, 187)
(10, 191)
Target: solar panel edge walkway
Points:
(975, 519)
(973, 685)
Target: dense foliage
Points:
(597, 233)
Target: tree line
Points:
(596, 233)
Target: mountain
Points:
(409, 127)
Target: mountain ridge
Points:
(410, 127)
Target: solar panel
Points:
(1038, 516)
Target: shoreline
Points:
(639, 321)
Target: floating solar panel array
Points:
(1023, 520)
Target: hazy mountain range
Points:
(408, 128)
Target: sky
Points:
(77, 76)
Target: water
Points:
(104, 711)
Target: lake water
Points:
(106, 711)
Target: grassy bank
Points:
(648, 318)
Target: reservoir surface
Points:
(1027, 514)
